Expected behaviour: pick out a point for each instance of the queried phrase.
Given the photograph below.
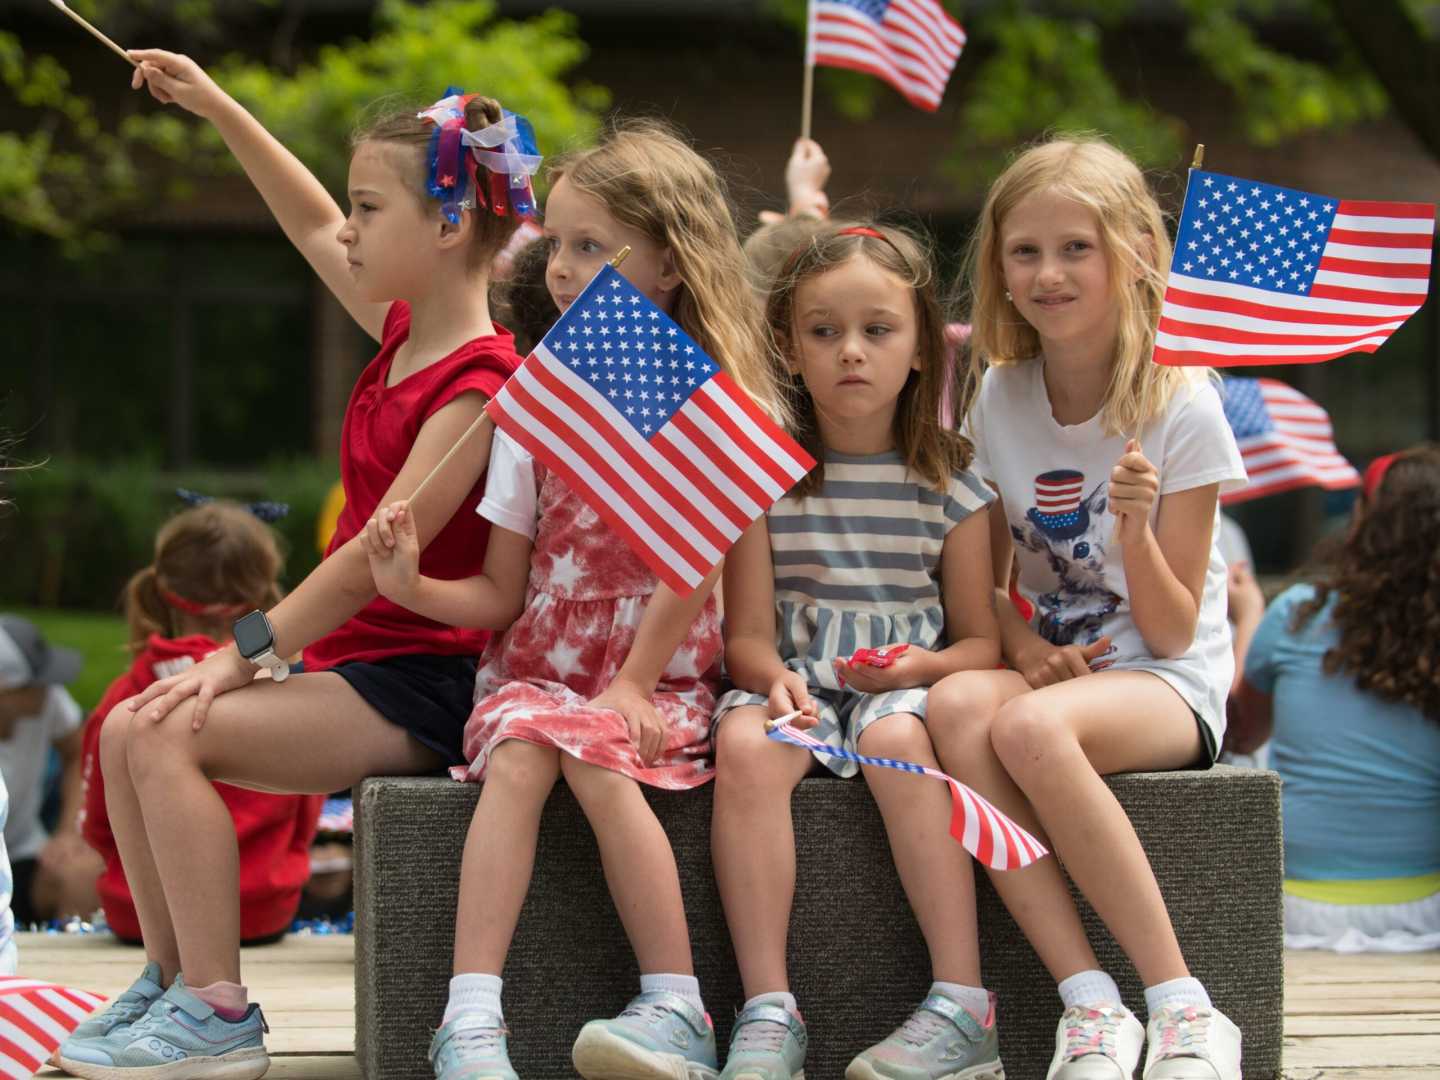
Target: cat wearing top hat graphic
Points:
(1071, 531)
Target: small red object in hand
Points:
(882, 657)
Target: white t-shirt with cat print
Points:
(1054, 481)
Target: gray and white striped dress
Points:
(857, 565)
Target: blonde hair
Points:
(769, 246)
(650, 179)
(1136, 246)
(217, 555)
(931, 451)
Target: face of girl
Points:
(391, 236)
(1055, 267)
(583, 236)
(855, 343)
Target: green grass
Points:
(99, 637)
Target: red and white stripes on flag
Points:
(911, 44)
(35, 1018)
(1285, 439)
(986, 832)
(1269, 275)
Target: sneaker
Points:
(767, 1043)
(472, 1047)
(179, 1038)
(1192, 1044)
(659, 1036)
(939, 1041)
(1096, 1044)
(125, 1009)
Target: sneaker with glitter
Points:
(472, 1047)
(767, 1043)
(179, 1038)
(940, 1041)
(659, 1036)
(1096, 1044)
(1189, 1043)
(125, 1009)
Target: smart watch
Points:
(255, 638)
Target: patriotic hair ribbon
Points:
(35, 1018)
(986, 832)
(506, 150)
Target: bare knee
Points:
(152, 747)
(523, 767)
(594, 783)
(901, 736)
(114, 736)
(959, 713)
(1028, 732)
(747, 762)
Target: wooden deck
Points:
(1346, 1017)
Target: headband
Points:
(192, 607)
(506, 149)
(1375, 473)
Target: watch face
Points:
(253, 635)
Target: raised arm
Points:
(306, 212)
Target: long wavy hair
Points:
(1386, 577)
(931, 451)
(650, 179)
(1091, 172)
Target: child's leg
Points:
(935, 871)
(265, 737)
(500, 852)
(752, 840)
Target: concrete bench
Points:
(857, 961)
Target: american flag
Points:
(660, 442)
(35, 1018)
(1285, 440)
(911, 44)
(1268, 275)
(986, 831)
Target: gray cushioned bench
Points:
(857, 961)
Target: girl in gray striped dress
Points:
(880, 546)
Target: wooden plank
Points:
(288, 1067)
(1310, 1072)
(1401, 1024)
(1360, 1051)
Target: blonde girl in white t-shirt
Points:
(1108, 469)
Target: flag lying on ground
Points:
(1267, 275)
(987, 833)
(35, 1018)
(1285, 439)
(911, 44)
(660, 442)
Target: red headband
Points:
(191, 607)
(863, 230)
(1375, 473)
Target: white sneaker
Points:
(1192, 1044)
(1097, 1044)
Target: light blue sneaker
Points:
(659, 1036)
(939, 1041)
(472, 1047)
(768, 1042)
(125, 1009)
(178, 1038)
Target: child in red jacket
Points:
(213, 563)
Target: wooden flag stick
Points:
(116, 49)
(807, 101)
(1199, 160)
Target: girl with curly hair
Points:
(1344, 672)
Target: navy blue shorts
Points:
(429, 696)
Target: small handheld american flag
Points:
(663, 445)
(35, 1018)
(1269, 275)
(911, 44)
(986, 831)
(1285, 440)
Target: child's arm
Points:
(491, 600)
(304, 209)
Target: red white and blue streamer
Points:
(505, 150)
(986, 832)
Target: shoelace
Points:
(1090, 1031)
(764, 1036)
(480, 1041)
(921, 1026)
(1184, 1033)
(647, 1012)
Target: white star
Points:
(565, 571)
(564, 659)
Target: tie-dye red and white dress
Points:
(586, 595)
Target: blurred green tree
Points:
(66, 175)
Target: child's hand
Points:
(790, 694)
(1247, 602)
(219, 672)
(393, 548)
(1134, 486)
(806, 174)
(1052, 664)
(902, 673)
(172, 78)
(647, 726)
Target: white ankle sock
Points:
(687, 986)
(1176, 992)
(973, 999)
(783, 998)
(1089, 988)
(474, 993)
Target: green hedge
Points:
(76, 530)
